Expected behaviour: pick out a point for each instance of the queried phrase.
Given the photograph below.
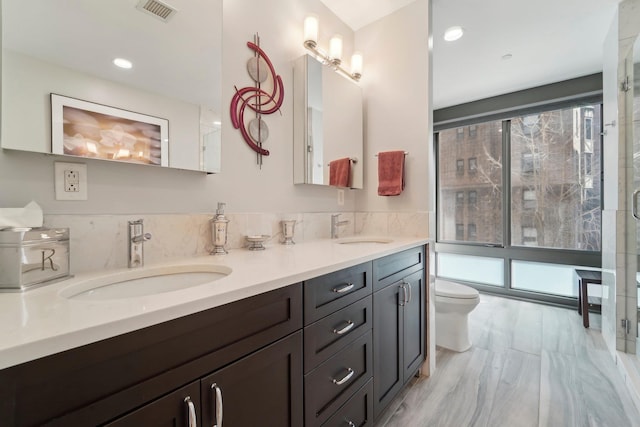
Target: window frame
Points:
(506, 251)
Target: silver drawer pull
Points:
(343, 289)
(350, 424)
(346, 378)
(217, 395)
(346, 329)
(191, 413)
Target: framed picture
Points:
(85, 129)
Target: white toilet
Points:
(453, 304)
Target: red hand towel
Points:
(339, 171)
(390, 173)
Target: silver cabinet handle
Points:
(217, 394)
(410, 291)
(404, 295)
(191, 412)
(343, 289)
(634, 203)
(346, 329)
(344, 379)
(350, 423)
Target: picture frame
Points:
(87, 129)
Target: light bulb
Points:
(335, 49)
(311, 30)
(356, 65)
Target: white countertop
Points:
(40, 322)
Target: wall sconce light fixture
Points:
(333, 58)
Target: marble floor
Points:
(530, 365)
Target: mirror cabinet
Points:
(327, 117)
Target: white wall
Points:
(125, 188)
(397, 114)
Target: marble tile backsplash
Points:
(99, 242)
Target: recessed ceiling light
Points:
(122, 63)
(507, 56)
(453, 33)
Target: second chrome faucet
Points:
(137, 237)
(335, 224)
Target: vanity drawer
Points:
(332, 383)
(327, 336)
(392, 268)
(325, 294)
(358, 411)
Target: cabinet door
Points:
(413, 325)
(387, 345)
(262, 389)
(172, 410)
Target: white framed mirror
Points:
(67, 47)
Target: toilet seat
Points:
(455, 290)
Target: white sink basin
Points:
(144, 282)
(363, 239)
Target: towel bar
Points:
(354, 160)
(405, 153)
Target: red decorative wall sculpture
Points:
(257, 99)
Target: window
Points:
(550, 212)
(471, 232)
(473, 165)
(529, 199)
(473, 131)
(587, 163)
(460, 134)
(554, 202)
(588, 124)
(473, 197)
(529, 236)
(487, 216)
(530, 163)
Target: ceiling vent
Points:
(156, 8)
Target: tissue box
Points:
(31, 257)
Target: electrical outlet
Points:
(70, 181)
(340, 197)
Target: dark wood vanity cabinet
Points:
(398, 326)
(338, 345)
(331, 351)
(131, 376)
(174, 410)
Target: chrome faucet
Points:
(137, 237)
(335, 223)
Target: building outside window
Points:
(553, 200)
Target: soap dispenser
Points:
(219, 225)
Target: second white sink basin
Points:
(144, 282)
(363, 239)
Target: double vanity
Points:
(320, 333)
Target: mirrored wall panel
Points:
(167, 68)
